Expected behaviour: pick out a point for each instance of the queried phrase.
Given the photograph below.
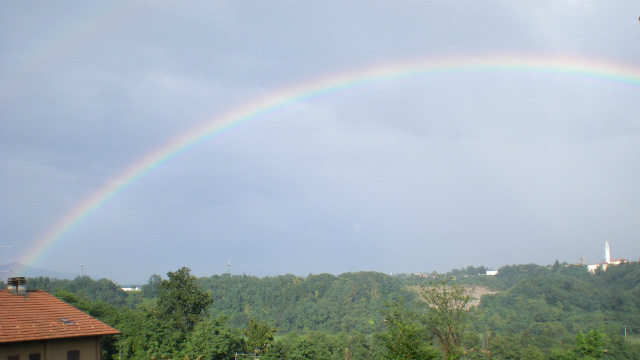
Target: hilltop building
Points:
(607, 261)
(35, 325)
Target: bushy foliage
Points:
(448, 315)
(536, 312)
(102, 290)
(405, 335)
(324, 302)
(213, 339)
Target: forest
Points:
(528, 311)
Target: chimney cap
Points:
(17, 285)
(19, 280)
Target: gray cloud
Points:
(415, 174)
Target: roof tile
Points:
(38, 315)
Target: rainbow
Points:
(615, 74)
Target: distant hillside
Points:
(526, 311)
(323, 302)
(16, 269)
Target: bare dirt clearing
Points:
(476, 293)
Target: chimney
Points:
(17, 285)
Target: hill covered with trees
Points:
(529, 312)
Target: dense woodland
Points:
(528, 312)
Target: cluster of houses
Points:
(35, 325)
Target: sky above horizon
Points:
(415, 173)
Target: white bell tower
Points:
(607, 253)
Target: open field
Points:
(476, 293)
(633, 339)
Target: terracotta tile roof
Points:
(38, 315)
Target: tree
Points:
(586, 347)
(150, 289)
(259, 335)
(590, 346)
(447, 317)
(181, 301)
(311, 346)
(404, 338)
(213, 339)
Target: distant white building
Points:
(491, 272)
(607, 261)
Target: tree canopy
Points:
(528, 312)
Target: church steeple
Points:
(607, 254)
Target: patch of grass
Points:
(633, 339)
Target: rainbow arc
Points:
(259, 108)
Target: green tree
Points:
(590, 346)
(150, 289)
(161, 331)
(447, 317)
(181, 301)
(259, 335)
(312, 346)
(586, 347)
(145, 335)
(404, 337)
(213, 339)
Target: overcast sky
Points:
(406, 175)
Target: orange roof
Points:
(38, 315)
